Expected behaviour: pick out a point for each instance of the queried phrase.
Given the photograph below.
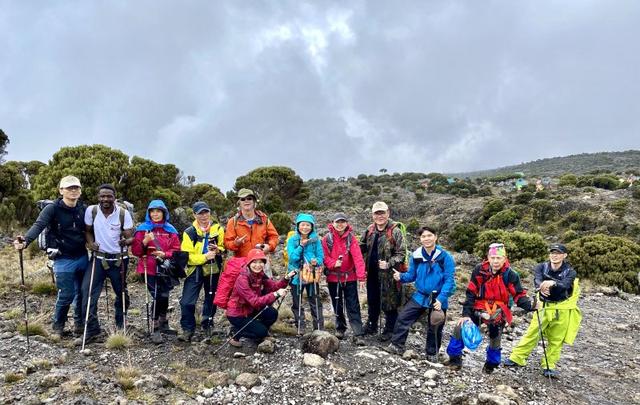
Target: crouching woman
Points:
(249, 309)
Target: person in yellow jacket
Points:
(204, 240)
(559, 317)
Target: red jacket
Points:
(246, 297)
(352, 268)
(169, 242)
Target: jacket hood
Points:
(157, 204)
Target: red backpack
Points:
(227, 281)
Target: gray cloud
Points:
(337, 89)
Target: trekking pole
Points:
(247, 324)
(299, 301)
(86, 317)
(215, 241)
(124, 289)
(155, 302)
(316, 290)
(435, 329)
(23, 287)
(106, 296)
(50, 267)
(544, 347)
(146, 296)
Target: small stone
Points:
(431, 374)
(491, 399)
(409, 355)
(430, 383)
(248, 380)
(507, 392)
(312, 360)
(268, 346)
(216, 379)
(259, 389)
(239, 355)
(207, 393)
(86, 352)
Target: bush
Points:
(491, 208)
(635, 192)
(464, 236)
(619, 207)
(544, 210)
(579, 221)
(44, 288)
(282, 222)
(568, 180)
(485, 191)
(609, 260)
(502, 219)
(570, 235)
(541, 195)
(412, 226)
(519, 245)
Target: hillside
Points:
(577, 164)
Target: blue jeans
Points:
(190, 293)
(69, 274)
(257, 329)
(118, 282)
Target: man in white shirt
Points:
(109, 232)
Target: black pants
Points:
(409, 314)
(257, 329)
(375, 304)
(347, 294)
(315, 305)
(159, 287)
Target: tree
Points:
(519, 245)
(278, 187)
(4, 141)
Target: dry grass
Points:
(329, 325)
(14, 313)
(35, 328)
(118, 341)
(134, 312)
(12, 377)
(283, 329)
(10, 268)
(285, 313)
(126, 377)
(42, 364)
(44, 288)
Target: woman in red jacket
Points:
(154, 241)
(253, 294)
(345, 267)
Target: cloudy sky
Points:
(327, 88)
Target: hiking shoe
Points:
(385, 336)
(510, 363)
(370, 329)
(156, 337)
(549, 373)
(78, 330)
(339, 334)
(394, 349)
(489, 368)
(454, 363)
(186, 336)
(95, 337)
(358, 341)
(166, 330)
(235, 343)
(432, 358)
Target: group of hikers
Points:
(379, 259)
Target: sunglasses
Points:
(246, 198)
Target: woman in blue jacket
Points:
(432, 269)
(305, 248)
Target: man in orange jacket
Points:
(249, 228)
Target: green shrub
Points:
(541, 195)
(635, 192)
(502, 219)
(491, 208)
(619, 207)
(609, 260)
(282, 222)
(412, 226)
(568, 180)
(519, 245)
(543, 210)
(44, 288)
(579, 221)
(464, 236)
(485, 191)
(570, 235)
(524, 198)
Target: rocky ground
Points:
(602, 368)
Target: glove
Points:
(52, 253)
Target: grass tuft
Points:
(12, 377)
(118, 341)
(44, 288)
(283, 329)
(126, 377)
(14, 313)
(35, 328)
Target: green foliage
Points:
(579, 221)
(485, 191)
(282, 222)
(118, 341)
(7, 215)
(279, 187)
(464, 236)
(605, 181)
(541, 195)
(570, 235)
(568, 179)
(491, 208)
(519, 245)
(635, 192)
(619, 207)
(524, 197)
(412, 226)
(608, 260)
(35, 328)
(44, 288)
(4, 141)
(502, 219)
(543, 210)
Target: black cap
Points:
(558, 247)
(200, 206)
(340, 216)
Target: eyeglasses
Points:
(246, 198)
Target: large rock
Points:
(268, 346)
(216, 379)
(248, 380)
(312, 360)
(491, 399)
(320, 342)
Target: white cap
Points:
(69, 181)
(379, 206)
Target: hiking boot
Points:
(164, 327)
(235, 343)
(394, 349)
(78, 330)
(358, 341)
(549, 373)
(510, 363)
(156, 337)
(432, 358)
(186, 336)
(454, 363)
(92, 337)
(489, 368)
(370, 329)
(385, 336)
(339, 334)
(57, 330)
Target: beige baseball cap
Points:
(379, 206)
(69, 181)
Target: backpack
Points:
(285, 254)
(329, 240)
(195, 238)
(124, 206)
(44, 236)
(401, 267)
(227, 281)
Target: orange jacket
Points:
(261, 231)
